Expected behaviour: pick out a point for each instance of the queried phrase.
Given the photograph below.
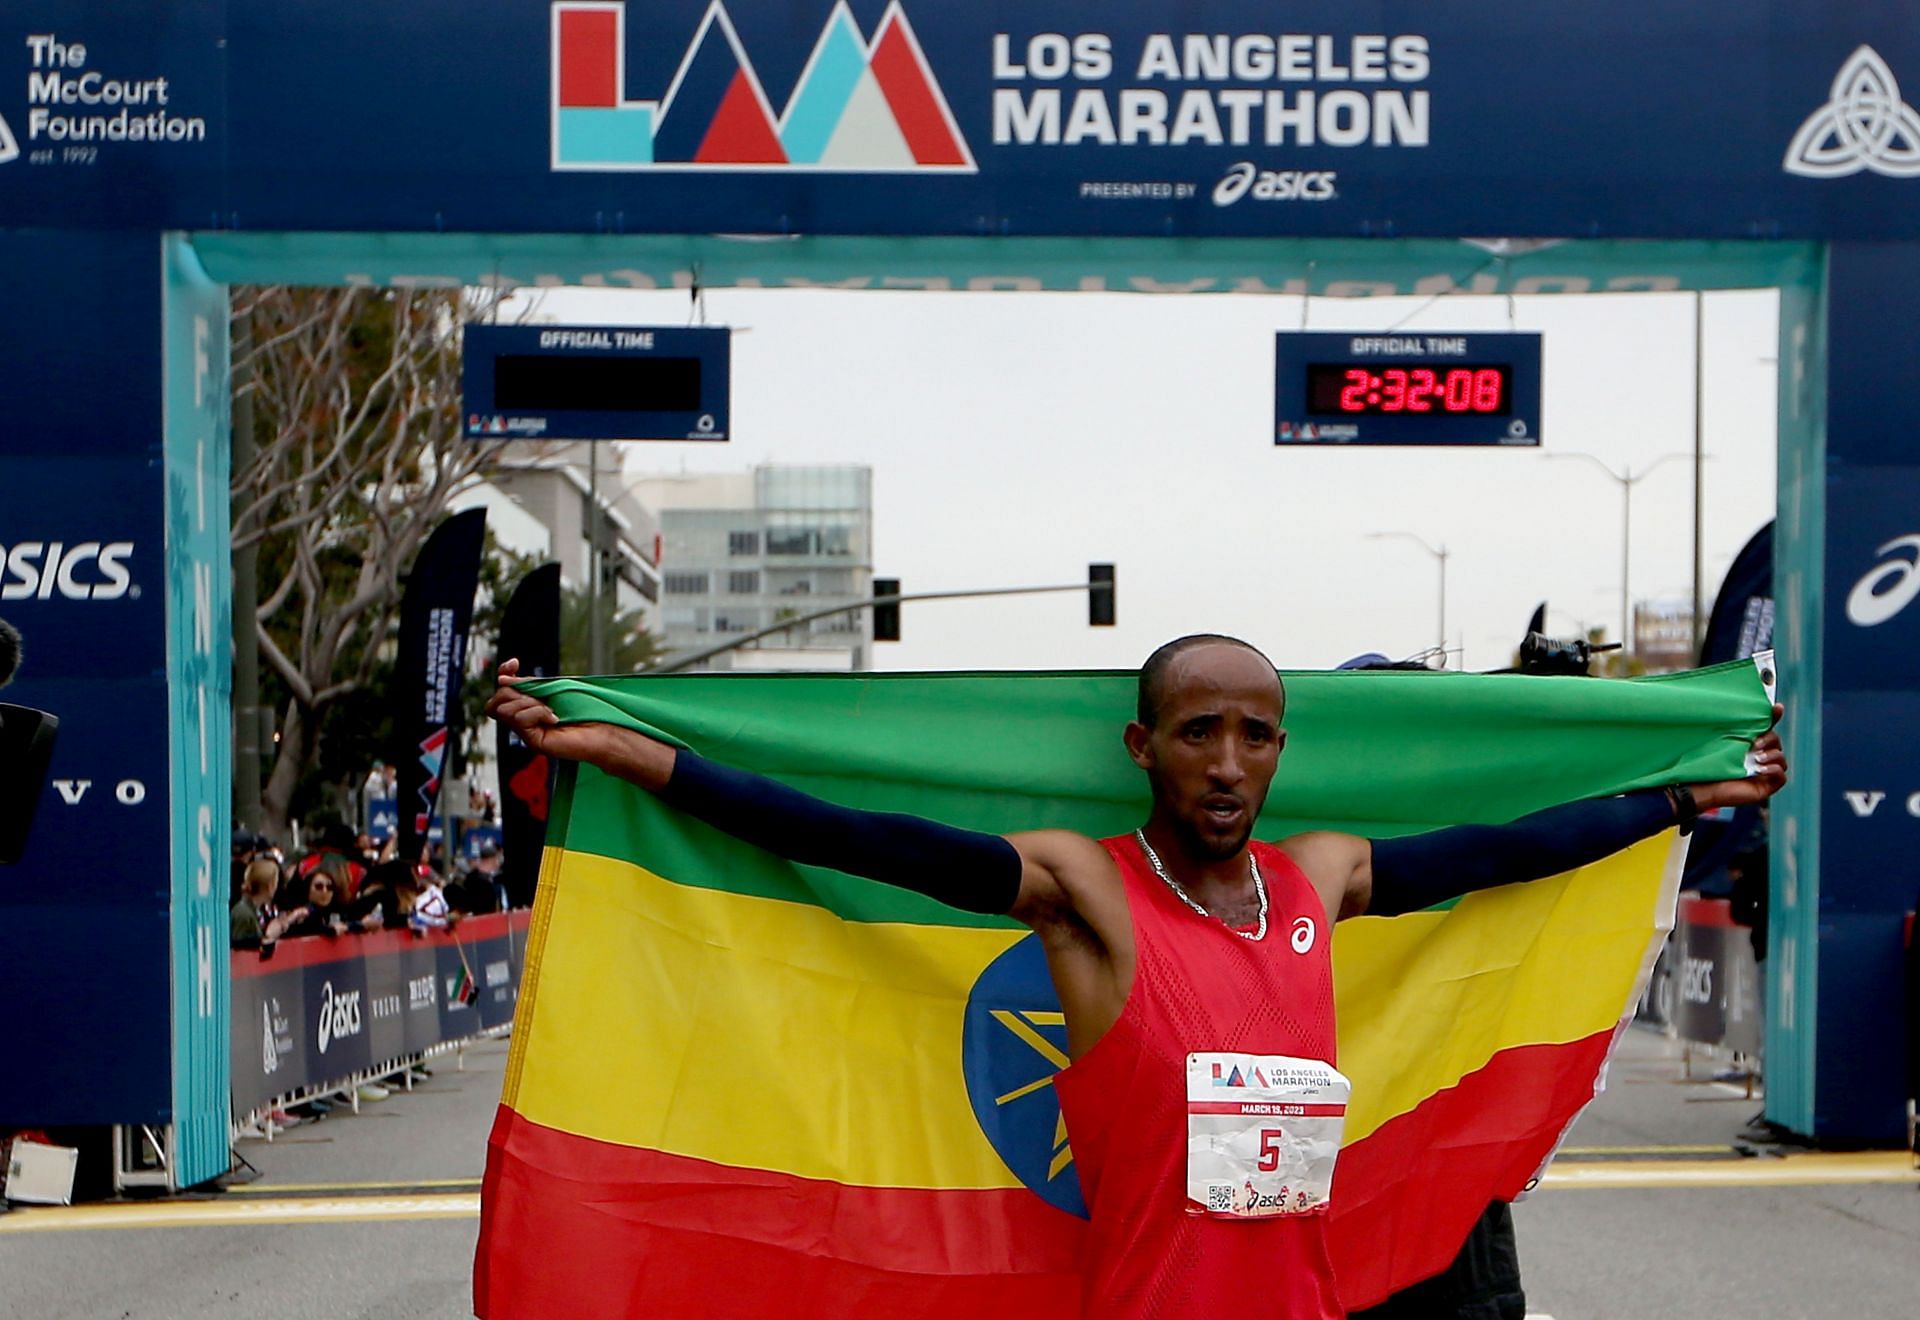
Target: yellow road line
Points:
(1814, 1169)
(272, 1188)
(227, 1214)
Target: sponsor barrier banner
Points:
(1716, 985)
(321, 1010)
(435, 618)
(530, 633)
(628, 1165)
(887, 117)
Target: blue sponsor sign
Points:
(595, 382)
(1408, 388)
(476, 840)
(383, 818)
(899, 117)
(85, 916)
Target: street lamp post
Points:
(596, 631)
(1627, 479)
(1439, 553)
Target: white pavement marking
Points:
(225, 1213)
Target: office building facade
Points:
(744, 551)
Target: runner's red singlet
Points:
(1197, 986)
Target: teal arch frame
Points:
(1334, 268)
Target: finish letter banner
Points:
(741, 1087)
(435, 617)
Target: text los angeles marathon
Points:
(1165, 108)
(111, 109)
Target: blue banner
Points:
(1715, 119)
(84, 915)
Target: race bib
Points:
(1263, 1132)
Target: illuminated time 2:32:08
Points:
(1343, 388)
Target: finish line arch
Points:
(894, 144)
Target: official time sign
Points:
(590, 382)
(1421, 388)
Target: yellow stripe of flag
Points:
(760, 1033)
(1428, 998)
(755, 1032)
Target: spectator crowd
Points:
(349, 883)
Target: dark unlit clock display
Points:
(1407, 389)
(584, 382)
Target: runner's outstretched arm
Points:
(965, 869)
(1417, 871)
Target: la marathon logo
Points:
(1865, 125)
(862, 104)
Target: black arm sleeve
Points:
(1419, 870)
(961, 868)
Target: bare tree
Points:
(356, 410)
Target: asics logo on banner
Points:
(1888, 587)
(1243, 180)
(339, 1015)
(86, 570)
(1863, 126)
(1303, 933)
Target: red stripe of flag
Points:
(1256, 1108)
(574, 1227)
(1435, 1167)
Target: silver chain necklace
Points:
(1259, 887)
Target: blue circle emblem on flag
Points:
(1013, 1041)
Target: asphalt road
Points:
(1649, 1215)
(1745, 1249)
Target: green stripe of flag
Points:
(1375, 752)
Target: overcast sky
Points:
(1017, 437)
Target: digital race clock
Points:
(1406, 389)
(589, 382)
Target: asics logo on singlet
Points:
(1303, 933)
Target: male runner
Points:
(1182, 946)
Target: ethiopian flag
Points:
(740, 1087)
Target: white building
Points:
(742, 551)
(551, 488)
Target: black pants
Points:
(1483, 1283)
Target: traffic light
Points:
(1100, 596)
(886, 618)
